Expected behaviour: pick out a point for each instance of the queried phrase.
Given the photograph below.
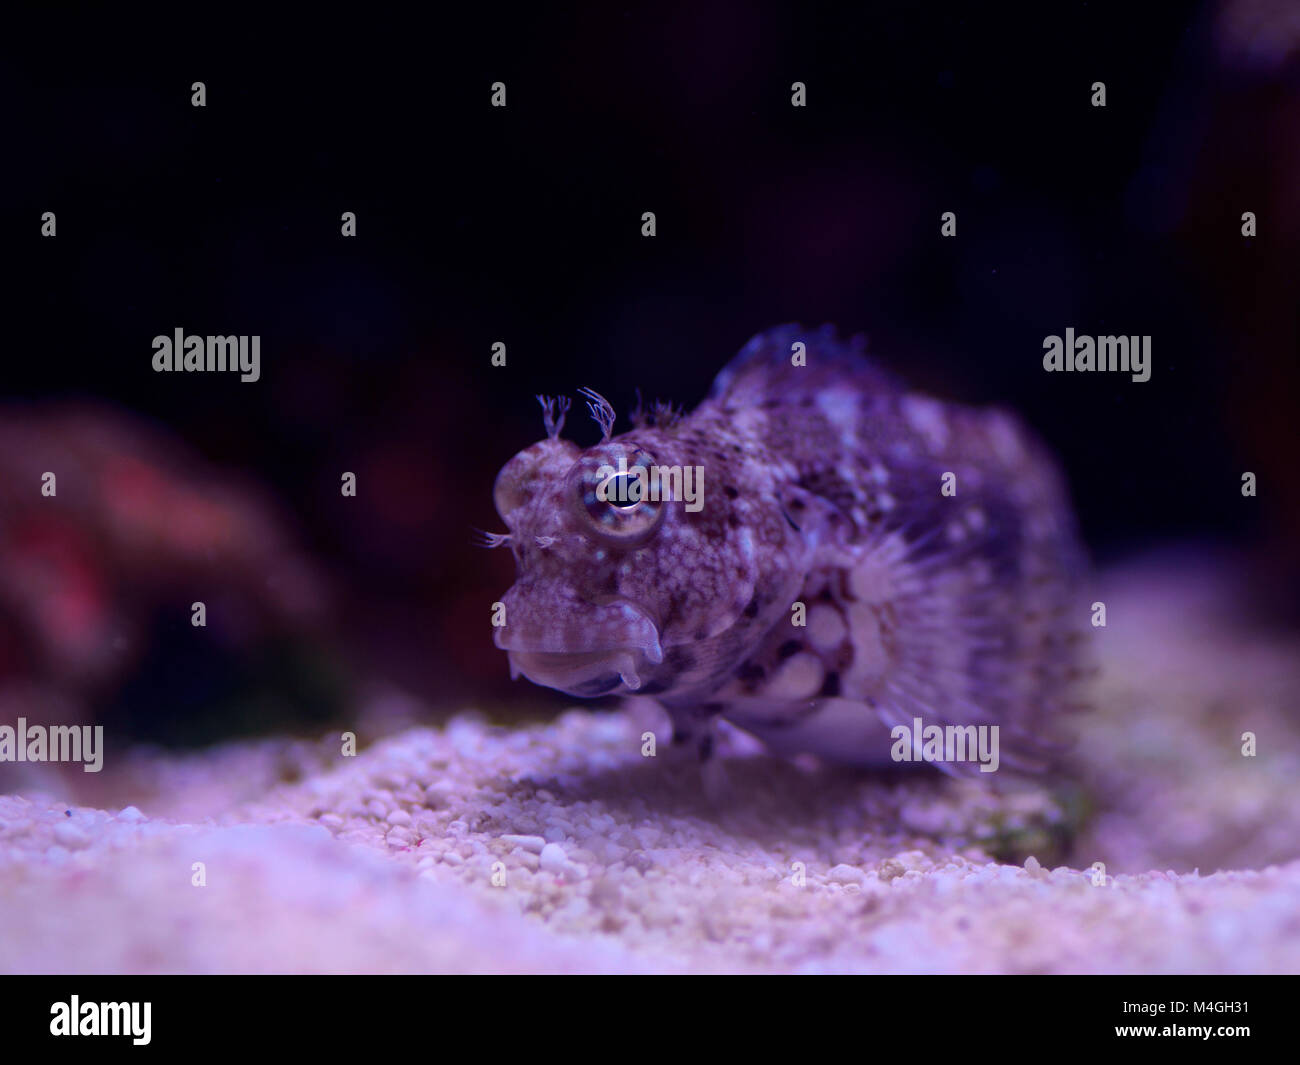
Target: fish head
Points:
(629, 579)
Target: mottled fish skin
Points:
(822, 485)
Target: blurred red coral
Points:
(136, 524)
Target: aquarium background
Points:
(522, 225)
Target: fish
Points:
(860, 559)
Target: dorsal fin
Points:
(763, 367)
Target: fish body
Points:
(855, 557)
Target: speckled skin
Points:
(822, 487)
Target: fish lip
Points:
(541, 654)
(575, 672)
(648, 646)
(652, 653)
(573, 657)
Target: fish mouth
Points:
(582, 673)
(584, 648)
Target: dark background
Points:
(523, 225)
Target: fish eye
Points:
(611, 492)
(623, 490)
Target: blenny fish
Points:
(860, 556)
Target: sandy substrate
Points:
(560, 847)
